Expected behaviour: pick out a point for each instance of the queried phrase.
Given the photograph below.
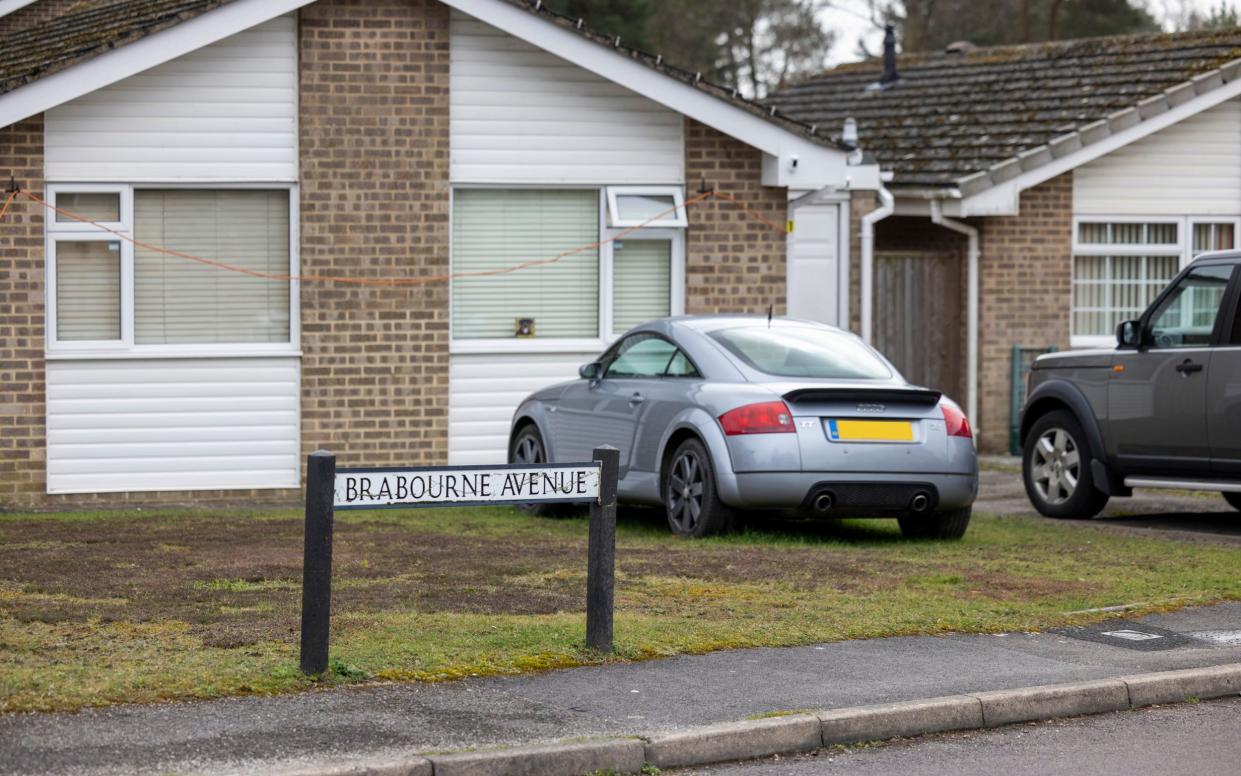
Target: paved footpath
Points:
(252, 735)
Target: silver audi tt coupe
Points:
(715, 414)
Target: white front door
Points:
(813, 264)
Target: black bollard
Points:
(601, 560)
(317, 561)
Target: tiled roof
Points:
(82, 34)
(954, 118)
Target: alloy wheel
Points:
(686, 483)
(528, 450)
(1056, 466)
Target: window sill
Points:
(162, 353)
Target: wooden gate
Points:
(919, 318)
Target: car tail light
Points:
(771, 417)
(955, 421)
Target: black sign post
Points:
(329, 489)
(317, 561)
(601, 553)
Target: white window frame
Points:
(73, 231)
(604, 336)
(678, 218)
(1182, 249)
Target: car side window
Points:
(641, 355)
(1186, 317)
(681, 366)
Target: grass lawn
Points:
(109, 607)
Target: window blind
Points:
(498, 228)
(178, 300)
(88, 290)
(641, 282)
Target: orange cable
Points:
(398, 282)
(8, 201)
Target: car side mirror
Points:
(591, 371)
(1129, 334)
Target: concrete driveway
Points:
(1202, 516)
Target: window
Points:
(178, 300)
(649, 206)
(641, 282)
(1118, 268)
(642, 355)
(88, 290)
(108, 292)
(1186, 317)
(584, 282)
(648, 355)
(787, 351)
(1121, 264)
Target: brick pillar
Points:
(23, 440)
(733, 263)
(375, 199)
(1025, 292)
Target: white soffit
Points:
(105, 69)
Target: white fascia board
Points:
(816, 165)
(1005, 199)
(9, 6)
(105, 69)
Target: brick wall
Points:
(22, 389)
(1025, 293)
(733, 263)
(375, 199)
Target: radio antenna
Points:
(769, 309)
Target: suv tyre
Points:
(1055, 468)
(1233, 499)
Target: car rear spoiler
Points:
(921, 396)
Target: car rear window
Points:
(803, 352)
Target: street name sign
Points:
(390, 488)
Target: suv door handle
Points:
(1188, 367)
(636, 399)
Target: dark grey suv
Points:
(1162, 410)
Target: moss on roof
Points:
(951, 115)
(83, 33)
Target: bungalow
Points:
(1040, 193)
(240, 230)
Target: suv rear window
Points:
(803, 352)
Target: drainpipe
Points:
(887, 205)
(971, 326)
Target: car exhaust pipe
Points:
(920, 502)
(823, 502)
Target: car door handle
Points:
(636, 399)
(1188, 367)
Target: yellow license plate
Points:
(870, 430)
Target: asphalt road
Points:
(1170, 514)
(1169, 740)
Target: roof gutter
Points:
(971, 326)
(887, 206)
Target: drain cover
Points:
(1130, 635)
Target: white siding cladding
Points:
(484, 391)
(227, 111)
(522, 115)
(172, 424)
(1190, 168)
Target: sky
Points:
(849, 19)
